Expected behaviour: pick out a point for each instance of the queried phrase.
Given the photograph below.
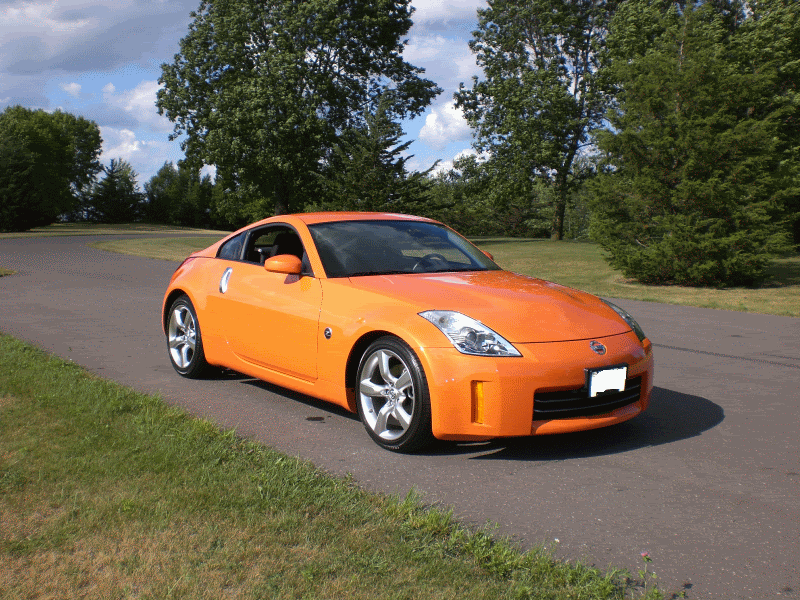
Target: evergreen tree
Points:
(769, 42)
(116, 197)
(366, 170)
(690, 193)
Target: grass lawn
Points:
(575, 264)
(175, 249)
(581, 265)
(108, 493)
(91, 229)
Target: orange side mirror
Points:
(284, 263)
(488, 255)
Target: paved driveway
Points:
(706, 481)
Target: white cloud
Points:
(427, 47)
(445, 124)
(447, 165)
(119, 143)
(84, 35)
(33, 17)
(73, 89)
(146, 156)
(447, 60)
(210, 170)
(139, 103)
(445, 11)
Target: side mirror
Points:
(488, 255)
(284, 263)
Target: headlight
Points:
(628, 319)
(468, 335)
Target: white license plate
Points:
(605, 380)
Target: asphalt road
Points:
(707, 481)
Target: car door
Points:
(270, 319)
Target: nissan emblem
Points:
(597, 347)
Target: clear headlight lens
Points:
(628, 319)
(468, 335)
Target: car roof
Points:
(327, 217)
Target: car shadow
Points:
(309, 401)
(671, 416)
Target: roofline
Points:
(326, 217)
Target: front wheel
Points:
(393, 400)
(184, 342)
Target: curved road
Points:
(707, 481)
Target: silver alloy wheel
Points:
(182, 336)
(386, 393)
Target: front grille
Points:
(576, 403)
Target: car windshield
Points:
(355, 248)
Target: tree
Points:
(541, 95)
(489, 197)
(116, 197)
(690, 190)
(772, 36)
(262, 88)
(366, 169)
(47, 161)
(178, 196)
(161, 195)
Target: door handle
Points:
(223, 283)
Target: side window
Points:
(262, 244)
(232, 249)
(272, 241)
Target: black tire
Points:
(392, 396)
(184, 341)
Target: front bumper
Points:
(480, 398)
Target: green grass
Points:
(581, 265)
(167, 248)
(108, 493)
(575, 264)
(93, 229)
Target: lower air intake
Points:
(576, 403)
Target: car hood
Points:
(521, 309)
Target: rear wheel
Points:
(184, 341)
(393, 400)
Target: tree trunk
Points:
(281, 203)
(557, 229)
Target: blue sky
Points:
(101, 59)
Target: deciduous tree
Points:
(540, 96)
(261, 88)
(178, 195)
(47, 162)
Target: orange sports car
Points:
(405, 322)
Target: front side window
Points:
(266, 242)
